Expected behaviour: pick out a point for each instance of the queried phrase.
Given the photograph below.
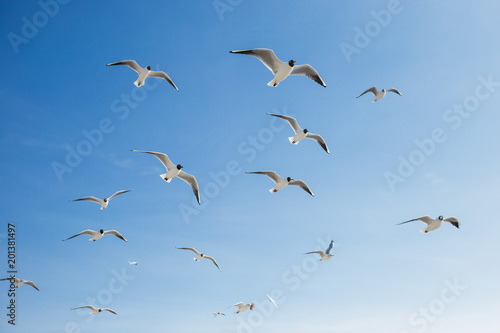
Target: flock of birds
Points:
(281, 70)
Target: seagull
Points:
(324, 256)
(133, 263)
(175, 171)
(282, 182)
(218, 313)
(144, 72)
(98, 234)
(379, 94)
(20, 282)
(280, 69)
(95, 310)
(104, 202)
(301, 133)
(433, 224)
(272, 300)
(200, 256)
(243, 307)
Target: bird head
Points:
(291, 63)
(148, 68)
(99, 310)
(105, 200)
(305, 130)
(101, 231)
(289, 179)
(383, 90)
(440, 217)
(179, 167)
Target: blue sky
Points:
(55, 87)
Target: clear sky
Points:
(68, 124)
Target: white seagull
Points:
(301, 133)
(282, 182)
(200, 256)
(175, 171)
(103, 202)
(20, 282)
(379, 94)
(95, 310)
(243, 307)
(98, 234)
(280, 69)
(433, 224)
(324, 256)
(218, 313)
(272, 300)
(144, 73)
(133, 263)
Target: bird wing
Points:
(272, 300)
(239, 305)
(163, 75)
(213, 260)
(319, 139)
(266, 56)
(309, 71)
(301, 184)
(130, 63)
(29, 283)
(453, 220)
(108, 309)
(116, 233)
(321, 253)
(94, 199)
(118, 193)
(426, 219)
(252, 305)
(192, 249)
(191, 180)
(394, 90)
(373, 90)
(271, 174)
(290, 120)
(162, 157)
(85, 232)
(329, 248)
(11, 278)
(87, 307)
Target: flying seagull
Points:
(200, 256)
(175, 171)
(301, 133)
(133, 263)
(379, 94)
(218, 313)
(324, 256)
(433, 224)
(103, 202)
(20, 282)
(272, 300)
(243, 307)
(98, 234)
(95, 310)
(144, 72)
(280, 69)
(282, 182)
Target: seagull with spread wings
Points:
(282, 182)
(301, 133)
(98, 234)
(20, 282)
(324, 255)
(433, 224)
(280, 69)
(175, 171)
(144, 73)
(95, 310)
(379, 94)
(200, 256)
(243, 307)
(103, 202)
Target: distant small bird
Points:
(272, 300)
(199, 255)
(243, 307)
(323, 255)
(19, 282)
(433, 224)
(133, 263)
(379, 94)
(103, 202)
(98, 234)
(218, 313)
(175, 171)
(144, 73)
(95, 310)
(301, 133)
(280, 69)
(282, 182)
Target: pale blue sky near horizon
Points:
(56, 87)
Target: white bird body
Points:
(171, 174)
(279, 185)
(297, 137)
(282, 182)
(379, 94)
(94, 310)
(243, 307)
(272, 300)
(323, 255)
(433, 224)
(98, 234)
(20, 282)
(133, 263)
(144, 73)
(282, 73)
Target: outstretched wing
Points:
(85, 232)
(191, 180)
(329, 248)
(86, 307)
(295, 125)
(453, 220)
(239, 305)
(266, 56)
(162, 157)
(118, 193)
(309, 71)
(108, 309)
(373, 90)
(130, 63)
(163, 75)
(426, 219)
(11, 278)
(394, 90)
(321, 253)
(116, 233)
(29, 283)
(192, 249)
(319, 139)
(213, 260)
(94, 199)
(271, 174)
(301, 184)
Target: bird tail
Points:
(163, 177)
(291, 140)
(138, 83)
(272, 83)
